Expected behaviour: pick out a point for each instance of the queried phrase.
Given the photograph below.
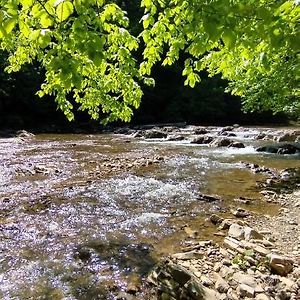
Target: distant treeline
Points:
(168, 101)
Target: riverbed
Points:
(84, 216)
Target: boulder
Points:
(280, 265)
(155, 134)
(24, 134)
(236, 231)
(174, 137)
(237, 145)
(215, 219)
(200, 131)
(288, 136)
(221, 142)
(202, 140)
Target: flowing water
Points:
(82, 216)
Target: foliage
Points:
(88, 49)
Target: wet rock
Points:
(237, 145)
(289, 136)
(227, 128)
(125, 296)
(175, 138)
(176, 281)
(221, 142)
(207, 198)
(225, 224)
(280, 149)
(24, 134)
(202, 140)
(240, 213)
(261, 136)
(215, 219)
(280, 265)
(200, 131)
(155, 134)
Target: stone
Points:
(244, 279)
(175, 138)
(210, 294)
(221, 285)
(225, 224)
(237, 145)
(250, 234)
(262, 297)
(240, 213)
(280, 265)
(179, 274)
(245, 291)
(188, 255)
(155, 134)
(215, 219)
(200, 131)
(202, 140)
(236, 231)
(221, 142)
(233, 244)
(206, 281)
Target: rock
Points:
(289, 136)
(244, 279)
(221, 142)
(207, 198)
(215, 219)
(240, 213)
(280, 265)
(188, 255)
(233, 244)
(245, 291)
(206, 281)
(250, 233)
(200, 131)
(221, 285)
(190, 232)
(155, 134)
(124, 296)
(236, 231)
(225, 224)
(288, 149)
(227, 128)
(175, 138)
(202, 140)
(24, 134)
(261, 136)
(237, 145)
(262, 297)
(280, 149)
(210, 295)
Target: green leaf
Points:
(9, 24)
(229, 38)
(46, 21)
(64, 10)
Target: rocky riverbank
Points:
(259, 258)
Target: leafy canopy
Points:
(89, 53)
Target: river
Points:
(83, 216)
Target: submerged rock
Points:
(279, 149)
(155, 134)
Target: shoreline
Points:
(259, 258)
